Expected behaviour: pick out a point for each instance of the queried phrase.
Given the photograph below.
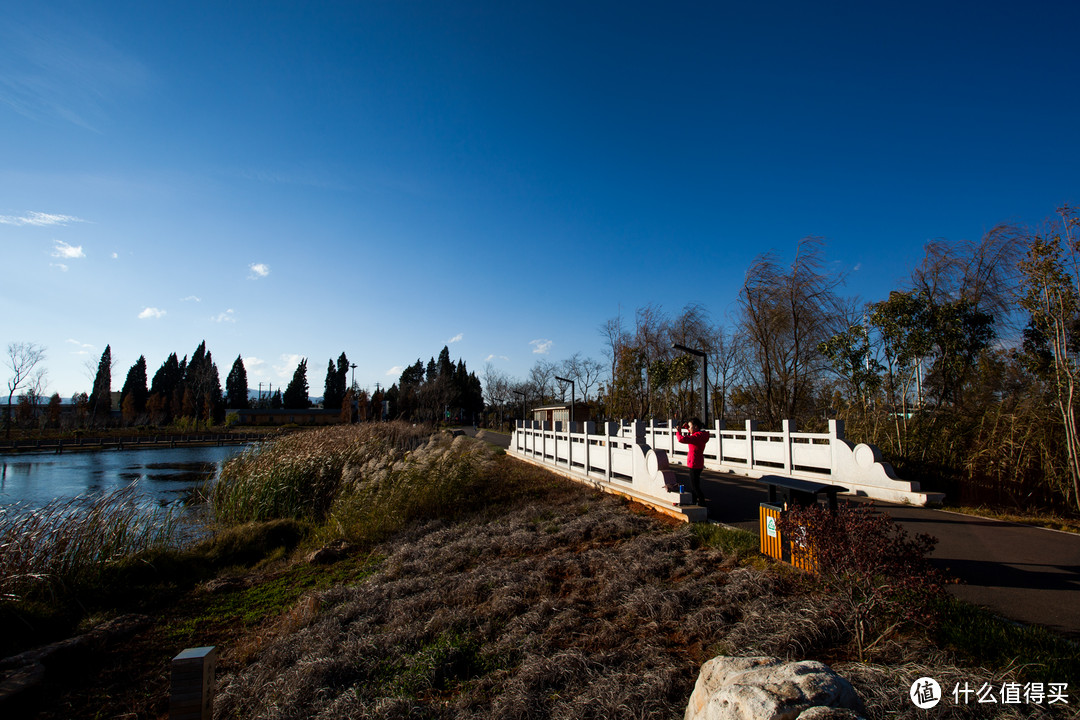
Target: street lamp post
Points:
(570, 425)
(564, 380)
(523, 410)
(704, 379)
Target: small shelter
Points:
(561, 413)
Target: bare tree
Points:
(785, 316)
(588, 375)
(22, 359)
(539, 378)
(724, 367)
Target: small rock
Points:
(330, 553)
(822, 712)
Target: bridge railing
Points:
(612, 454)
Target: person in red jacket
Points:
(695, 454)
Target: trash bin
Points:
(786, 492)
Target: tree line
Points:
(440, 390)
(185, 391)
(965, 375)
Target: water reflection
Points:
(164, 476)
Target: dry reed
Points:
(70, 541)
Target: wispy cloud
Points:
(457, 338)
(82, 348)
(227, 316)
(287, 366)
(151, 313)
(57, 68)
(491, 357)
(38, 219)
(62, 250)
(396, 370)
(191, 298)
(258, 270)
(541, 347)
(255, 366)
(59, 266)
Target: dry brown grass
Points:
(562, 604)
(507, 592)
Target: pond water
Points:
(162, 475)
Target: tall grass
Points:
(68, 542)
(299, 476)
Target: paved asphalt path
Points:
(1024, 573)
(1027, 574)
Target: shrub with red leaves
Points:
(879, 575)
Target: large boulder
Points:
(765, 688)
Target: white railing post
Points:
(612, 430)
(718, 426)
(570, 445)
(751, 427)
(836, 429)
(590, 430)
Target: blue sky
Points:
(385, 178)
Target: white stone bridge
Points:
(634, 459)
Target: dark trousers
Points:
(695, 485)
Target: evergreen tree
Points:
(446, 368)
(53, 412)
(408, 400)
(101, 395)
(168, 378)
(134, 393)
(236, 386)
(213, 405)
(202, 398)
(336, 383)
(342, 380)
(275, 400)
(296, 392)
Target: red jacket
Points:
(695, 454)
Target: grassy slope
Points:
(544, 599)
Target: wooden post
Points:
(191, 694)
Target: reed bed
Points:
(299, 476)
(68, 542)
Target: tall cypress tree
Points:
(330, 394)
(296, 392)
(101, 395)
(236, 386)
(134, 393)
(342, 380)
(337, 380)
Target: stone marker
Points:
(191, 695)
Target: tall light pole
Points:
(569, 426)
(523, 410)
(564, 380)
(704, 379)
